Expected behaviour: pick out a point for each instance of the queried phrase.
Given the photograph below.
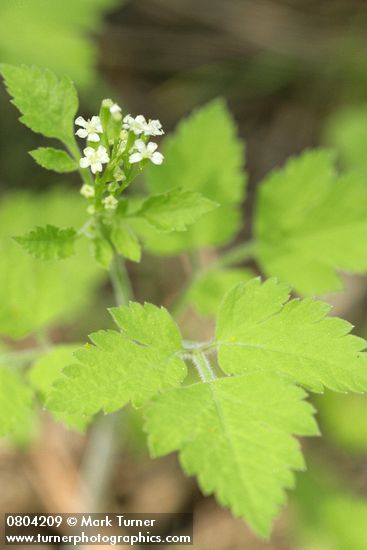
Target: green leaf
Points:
(35, 294)
(49, 243)
(133, 364)
(235, 434)
(309, 223)
(175, 210)
(54, 159)
(208, 290)
(346, 131)
(47, 104)
(16, 402)
(58, 35)
(328, 514)
(102, 251)
(204, 155)
(258, 329)
(48, 367)
(46, 370)
(126, 242)
(340, 420)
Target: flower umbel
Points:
(94, 158)
(89, 128)
(146, 151)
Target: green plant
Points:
(234, 420)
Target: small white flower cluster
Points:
(145, 151)
(89, 128)
(141, 150)
(139, 126)
(94, 158)
(132, 146)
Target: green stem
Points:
(84, 172)
(202, 365)
(120, 281)
(99, 454)
(20, 358)
(243, 252)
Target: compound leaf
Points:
(235, 434)
(259, 329)
(54, 159)
(133, 364)
(49, 242)
(47, 103)
(309, 223)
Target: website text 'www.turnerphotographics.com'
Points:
(98, 529)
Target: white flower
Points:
(91, 209)
(146, 151)
(89, 128)
(87, 191)
(115, 108)
(107, 103)
(153, 128)
(110, 202)
(94, 158)
(136, 125)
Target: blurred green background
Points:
(294, 73)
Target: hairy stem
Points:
(203, 366)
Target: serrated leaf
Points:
(49, 242)
(208, 290)
(175, 210)
(235, 434)
(54, 159)
(47, 103)
(206, 156)
(309, 223)
(126, 242)
(131, 365)
(259, 329)
(16, 402)
(46, 370)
